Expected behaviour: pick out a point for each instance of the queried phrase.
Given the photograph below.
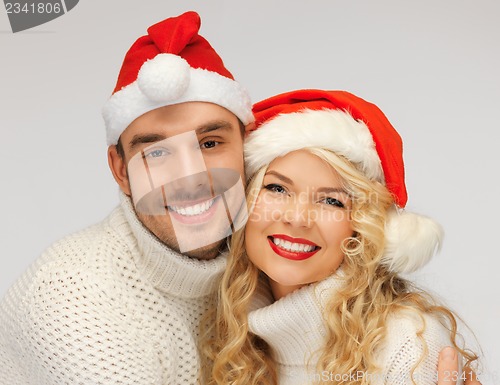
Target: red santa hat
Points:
(172, 64)
(359, 131)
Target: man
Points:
(121, 302)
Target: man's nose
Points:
(188, 162)
(189, 172)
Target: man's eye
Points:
(275, 188)
(155, 153)
(209, 144)
(333, 202)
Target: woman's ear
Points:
(119, 169)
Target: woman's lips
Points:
(296, 249)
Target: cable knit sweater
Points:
(294, 328)
(108, 305)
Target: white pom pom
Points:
(411, 241)
(164, 78)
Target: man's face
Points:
(183, 168)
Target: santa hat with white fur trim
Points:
(172, 64)
(359, 131)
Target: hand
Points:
(448, 363)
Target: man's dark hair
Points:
(119, 148)
(242, 128)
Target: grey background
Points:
(432, 67)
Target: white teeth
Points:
(197, 209)
(293, 247)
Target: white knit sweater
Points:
(108, 305)
(294, 328)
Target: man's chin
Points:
(207, 252)
(202, 239)
(192, 241)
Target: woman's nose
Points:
(299, 214)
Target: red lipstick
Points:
(294, 240)
(293, 255)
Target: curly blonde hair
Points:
(355, 317)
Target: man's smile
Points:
(194, 212)
(191, 208)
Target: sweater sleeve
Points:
(12, 318)
(411, 349)
(61, 325)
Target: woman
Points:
(327, 231)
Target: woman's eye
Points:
(333, 202)
(275, 188)
(209, 144)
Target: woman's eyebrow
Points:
(280, 176)
(321, 189)
(328, 190)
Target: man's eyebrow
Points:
(203, 129)
(280, 176)
(214, 126)
(148, 138)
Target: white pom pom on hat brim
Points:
(165, 77)
(411, 240)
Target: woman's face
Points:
(299, 222)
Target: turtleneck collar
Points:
(293, 326)
(166, 269)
